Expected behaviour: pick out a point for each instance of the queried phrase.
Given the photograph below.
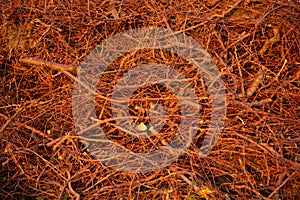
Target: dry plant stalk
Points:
(255, 83)
(269, 42)
(51, 65)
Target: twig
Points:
(261, 102)
(9, 120)
(58, 141)
(40, 133)
(196, 188)
(280, 186)
(270, 41)
(214, 16)
(114, 11)
(51, 65)
(70, 187)
(284, 63)
(225, 12)
(254, 85)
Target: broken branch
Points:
(51, 65)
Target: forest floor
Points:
(254, 45)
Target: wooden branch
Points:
(255, 83)
(51, 65)
(270, 41)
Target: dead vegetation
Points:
(255, 45)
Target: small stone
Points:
(142, 127)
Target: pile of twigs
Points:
(255, 45)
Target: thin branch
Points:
(51, 65)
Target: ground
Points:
(254, 45)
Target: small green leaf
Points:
(31, 166)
